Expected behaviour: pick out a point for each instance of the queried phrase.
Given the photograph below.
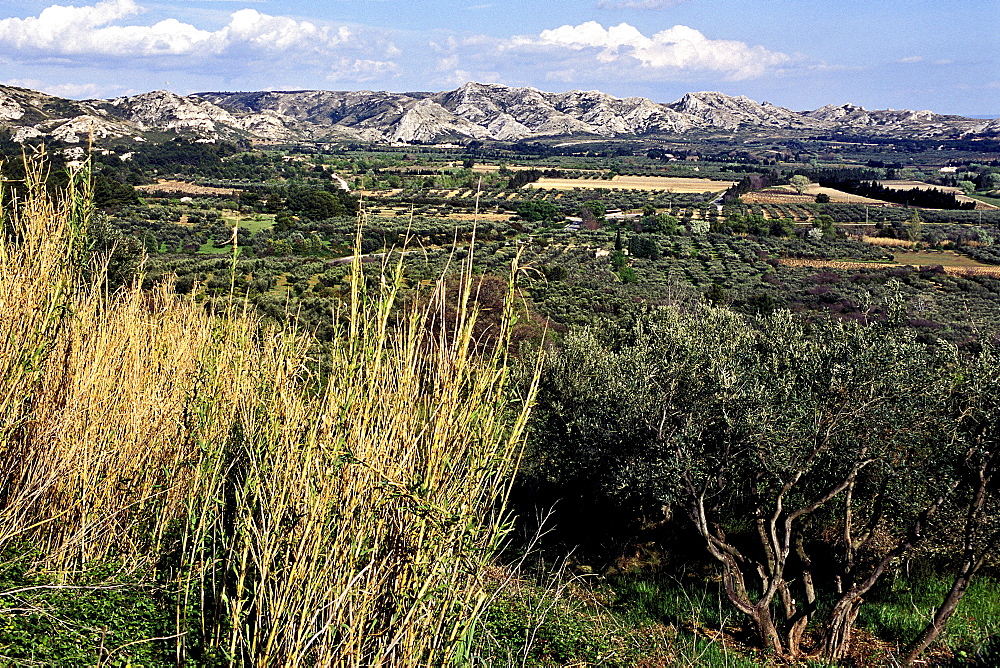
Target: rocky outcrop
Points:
(10, 110)
(903, 122)
(473, 112)
(84, 128)
(162, 110)
(992, 128)
(717, 110)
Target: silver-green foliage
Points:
(782, 441)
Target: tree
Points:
(643, 246)
(119, 256)
(989, 181)
(825, 224)
(800, 183)
(627, 275)
(913, 228)
(111, 195)
(537, 211)
(715, 295)
(781, 227)
(284, 221)
(315, 204)
(778, 441)
(663, 223)
(596, 208)
(699, 227)
(975, 404)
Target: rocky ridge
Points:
(472, 112)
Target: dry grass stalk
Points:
(335, 516)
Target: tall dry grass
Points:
(300, 514)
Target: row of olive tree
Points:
(809, 458)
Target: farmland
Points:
(678, 185)
(908, 185)
(788, 195)
(950, 263)
(920, 185)
(183, 188)
(619, 264)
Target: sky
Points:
(800, 54)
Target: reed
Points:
(301, 514)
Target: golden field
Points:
(667, 183)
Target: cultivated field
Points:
(951, 262)
(958, 192)
(888, 242)
(910, 185)
(183, 187)
(666, 183)
(514, 168)
(787, 195)
(944, 258)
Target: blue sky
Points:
(800, 54)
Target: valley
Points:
(566, 279)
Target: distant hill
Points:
(486, 112)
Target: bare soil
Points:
(787, 195)
(951, 262)
(183, 188)
(666, 183)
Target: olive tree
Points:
(800, 183)
(779, 440)
(972, 535)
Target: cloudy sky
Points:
(800, 54)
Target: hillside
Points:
(484, 112)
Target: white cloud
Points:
(671, 53)
(68, 31)
(70, 90)
(360, 70)
(638, 4)
(83, 35)
(911, 59)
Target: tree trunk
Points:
(769, 635)
(970, 564)
(840, 624)
(800, 620)
(759, 613)
(837, 639)
(944, 612)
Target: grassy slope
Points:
(196, 488)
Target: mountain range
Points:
(486, 112)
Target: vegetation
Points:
(281, 509)
(266, 419)
(809, 460)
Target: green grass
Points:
(695, 603)
(900, 612)
(622, 622)
(98, 617)
(209, 248)
(995, 201)
(255, 222)
(943, 258)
